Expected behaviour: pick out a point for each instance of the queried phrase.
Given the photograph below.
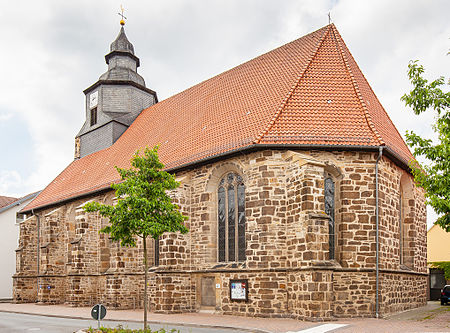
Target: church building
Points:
(294, 179)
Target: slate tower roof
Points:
(307, 94)
(114, 101)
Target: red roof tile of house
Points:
(307, 92)
(5, 201)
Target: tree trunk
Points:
(145, 282)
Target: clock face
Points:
(93, 99)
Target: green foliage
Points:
(121, 329)
(444, 265)
(433, 178)
(144, 207)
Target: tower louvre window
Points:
(93, 116)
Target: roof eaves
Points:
(210, 159)
(356, 88)
(74, 196)
(280, 109)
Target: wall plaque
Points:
(239, 290)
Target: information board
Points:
(239, 290)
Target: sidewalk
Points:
(430, 318)
(250, 324)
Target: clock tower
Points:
(115, 100)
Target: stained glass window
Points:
(329, 210)
(231, 218)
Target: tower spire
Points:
(122, 21)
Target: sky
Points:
(52, 50)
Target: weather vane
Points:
(329, 17)
(122, 21)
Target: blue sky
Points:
(53, 50)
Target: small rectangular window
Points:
(93, 116)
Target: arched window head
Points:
(329, 210)
(231, 218)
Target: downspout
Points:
(38, 226)
(377, 217)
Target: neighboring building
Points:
(438, 250)
(438, 244)
(279, 161)
(9, 238)
(5, 201)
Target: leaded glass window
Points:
(231, 218)
(156, 251)
(329, 210)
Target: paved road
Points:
(19, 323)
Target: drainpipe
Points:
(377, 217)
(38, 226)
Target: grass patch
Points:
(121, 329)
(433, 313)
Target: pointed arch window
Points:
(231, 218)
(330, 211)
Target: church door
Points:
(208, 295)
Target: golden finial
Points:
(122, 21)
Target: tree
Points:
(144, 207)
(433, 178)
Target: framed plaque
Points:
(239, 290)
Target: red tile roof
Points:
(5, 201)
(309, 91)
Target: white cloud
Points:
(5, 117)
(10, 182)
(56, 49)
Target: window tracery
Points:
(231, 218)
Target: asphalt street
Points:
(15, 323)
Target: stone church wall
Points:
(288, 265)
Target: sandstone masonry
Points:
(62, 257)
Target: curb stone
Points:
(239, 329)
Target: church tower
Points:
(115, 100)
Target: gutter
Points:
(230, 153)
(377, 240)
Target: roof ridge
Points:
(294, 86)
(356, 87)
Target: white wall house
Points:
(9, 236)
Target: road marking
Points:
(321, 328)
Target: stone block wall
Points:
(287, 262)
(124, 291)
(25, 279)
(52, 289)
(25, 289)
(402, 220)
(354, 293)
(400, 292)
(310, 294)
(171, 293)
(83, 290)
(267, 294)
